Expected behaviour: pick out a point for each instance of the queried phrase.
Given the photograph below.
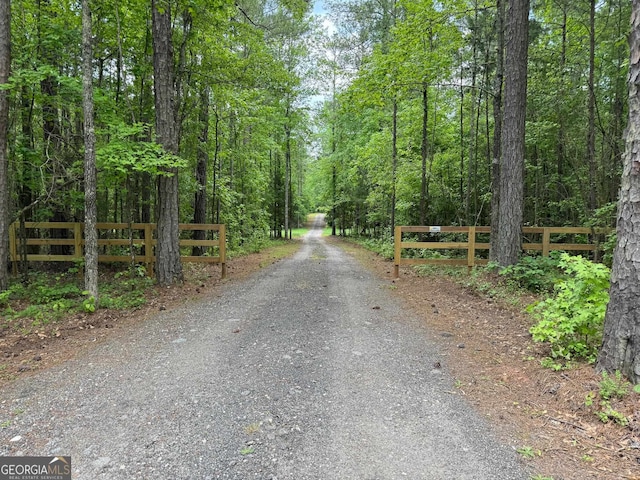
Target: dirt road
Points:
(308, 370)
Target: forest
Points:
(254, 113)
(378, 112)
(411, 136)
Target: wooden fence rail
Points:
(134, 242)
(546, 245)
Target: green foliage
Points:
(528, 452)
(552, 364)
(382, 246)
(571, 321)
(537, 274)
(608, 413)
(613, 386)
(124, 154)
(127, 291)
(47, 298)
(89, 303)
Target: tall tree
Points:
(5, 67)
(621, 339)
(591, 132)
(168, 263)
(509, 235)
(90, 175)
(200, 199)
(497, 128)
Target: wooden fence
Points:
(546, 244)
(117, 242)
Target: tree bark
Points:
(168, 263)
(90, 174)
(621, 338)
(5, 68)
(591, 131)
(509, 234)
(394, 163)
(423, 155)
(287, 172)
(200, 200)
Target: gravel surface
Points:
(308, 370)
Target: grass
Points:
(278, 250)
(529, 452)
(298, 232)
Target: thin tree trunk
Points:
(423, 155)
(591, 133)
(168, 263)
(90, 175)
(217, 171)
(200, 200)
(509, 242)
(394, 163)
(287, 171)
(497, 133)
(621, 338)
(5, 68)
(473, 124)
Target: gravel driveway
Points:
(308, 370)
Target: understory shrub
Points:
(382, 246)
(571, 320)
(537, 274)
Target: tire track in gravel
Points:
(308, 370)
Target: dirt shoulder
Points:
(25, 351)
(488, 350)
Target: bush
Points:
(572, 320)
(536, 274)
(382, 246)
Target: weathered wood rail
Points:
(546, 245)
(134, 242)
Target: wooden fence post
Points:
(471, 248)
(222, 237)
(397, 251)
(78, 254)
(148, 249)
(546, 242)
(13, 250)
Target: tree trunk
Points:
(287, 173)
(621, 338)
(473, 124)
(423, 155)
(200, 200)
(562, 129)
(497, 133)
(509, 235)
(5, 67)
(90, 175)
(591, 133)
(168, 263)
(394, 163)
